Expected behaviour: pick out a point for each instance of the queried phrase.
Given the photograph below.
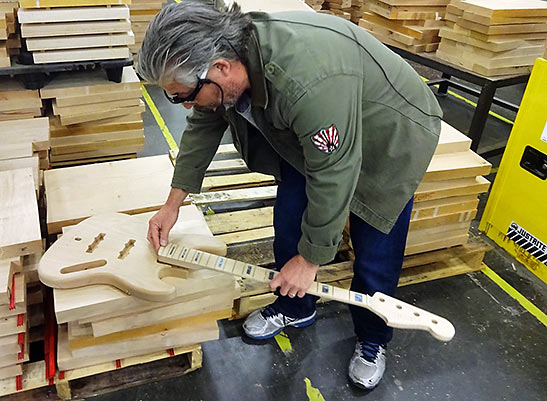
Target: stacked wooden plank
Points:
(340, 8)
(129, 186)
(315, 4)
(347, 9)
(76, 30)
(20, 237)
(142, 12)
(10, 41)
(494, 38)
(446, 200)
(412, 25)
(102, 324)
(92, 118)
(25, 139)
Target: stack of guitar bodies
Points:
(76, 30)
(494, 37)
(20, 246)
(142, 12)
(92, 118)
(24, 134)
(10, 42)
(412, 25)
(446, 199)
(100, 323)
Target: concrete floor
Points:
(498, 353)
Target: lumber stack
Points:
(347, 9)
(23, 133)
(340, 8)
(446, 199)
(142, 12)
(76, 30)
(315, 4)
(20, 238)
(494, 38)
(102, 324)
(92, 118)
(412, 25)
(10, 41)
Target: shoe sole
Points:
(362, 386)
(268, 336)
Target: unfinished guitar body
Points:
(113, 249)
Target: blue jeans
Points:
(378, 257)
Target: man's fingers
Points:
(284, 290)
(276, 282)
(155, 236)
(301, 293)
(163, 239)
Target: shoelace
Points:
(369, 351)
(269, 311)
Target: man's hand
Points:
(160, 225)
(295, 277)
(163, 221)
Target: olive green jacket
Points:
(340, 107)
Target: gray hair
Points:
(184, 39)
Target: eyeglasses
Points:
(192, 96)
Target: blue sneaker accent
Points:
(268, 322)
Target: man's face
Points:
(210, 96)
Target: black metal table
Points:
(35, 76)
(486, 94)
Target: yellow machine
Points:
(516, 213)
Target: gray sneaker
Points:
(367, 365)
(267, 322)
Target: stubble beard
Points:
(232, 94)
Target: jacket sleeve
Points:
(327, 121)
(198, 146)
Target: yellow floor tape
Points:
(505, 286)
(313, 393)
(159, 119)
(284, 342)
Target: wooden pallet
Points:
(106, 377)
(129, 372)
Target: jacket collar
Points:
(255, 70)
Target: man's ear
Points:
(222, 66)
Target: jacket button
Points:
(270, 68)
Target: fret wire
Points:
(211, 262)
(190, 256)
(261, 274)
(229, 266)
(238, 269)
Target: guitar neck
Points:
(393, 311)
(178, 255)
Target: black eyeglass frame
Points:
(192, 96)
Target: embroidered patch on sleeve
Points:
(326, 140)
